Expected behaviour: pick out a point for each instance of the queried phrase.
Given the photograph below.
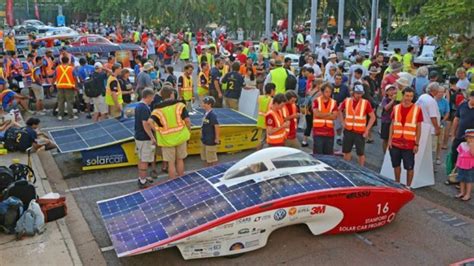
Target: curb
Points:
(75, 225)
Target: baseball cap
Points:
(390, 86)
(98, 65)
(469, 132)
(359, 88)
(209, 100)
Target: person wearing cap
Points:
(354, 112)
(275, 123)
(172, 125)
(391, 78)
(324, 115)
(143, 80)
(387, 104)
(331, 64)
(101, 109)
(65, 81)
(278, 76)
(113, 92)
(401, 84)
(465, 166)
(430, 109)
(444, 110)
(210, 132)
(404, 136)
(463, 120)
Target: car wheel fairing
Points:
(325, 219)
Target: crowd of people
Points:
(332, 105)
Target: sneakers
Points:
(40, 113)
(60, 118)
(73, 118)
(304, 144)
(144, 183)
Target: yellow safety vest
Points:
(407, 58)
(203, 91)
(108, 92)
(397, 56)
(224, 71)
(187, 89)
(264, 102)
(299, 38)
(264, 50)
(188, 35)
(185, 53)
(471, 86)
(279, 79)
(173, 130)
(366, 63)
(275, 46)
(245, 51)
(2, 75)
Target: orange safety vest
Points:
(49, 66)
(408, 129)
(7, 67)
(279, 136)
(286, 112)
(320, 122)
(356, 120)
(65, 78)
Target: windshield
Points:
(247, 170)
(294, 160)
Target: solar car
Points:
(233, 207)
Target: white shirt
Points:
(414, 41)
(363, 44)
(322, 53)
(352, 35)
(353, 68)
(463, 84)
(309, 39)
(430, 109)
(326, 69)
(150, 45)
(316, 68)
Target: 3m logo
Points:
(318, 210)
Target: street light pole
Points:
(314, 11)
(340, 18)
(290, 24)
(373, 23)
(267, 18)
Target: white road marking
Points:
(105, 249)
(364, 239)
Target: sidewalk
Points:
(54, 247)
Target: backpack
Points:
(10, 211)
(291, 81)
(6, 178)
(169, 50)
(17, 139)
(31, 221)
(22, 171)
(93, 86)
(21, 189)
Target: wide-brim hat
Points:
(396, 66)
(403, 82)
(390, 86)
(148, 67)
(332, 56)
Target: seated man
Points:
(7, 121)
(40, 140)
(10, 99)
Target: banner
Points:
(9, 13)
(377, 37)
(37, 14)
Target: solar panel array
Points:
(151, 215)
(93, 135)
(112, 131)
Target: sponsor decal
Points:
(244, 220)
(304, 209)
(236, 246)
(358, 195)
(244, 231)
(226, 226)
(104, 156)
(292, 211)
(252, 243)
(216, 253)
(321, 209)
(257, 219)
(279, 215)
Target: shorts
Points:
(452, 114)
(408, 157)
(385, 130)
(209, 153)
(466, 176)
(323, 145)
(99, 105)
(350, 139)
(114, 111)
(171, 154)
(293, 143)
(232, 103)
(145, 150)
(38, 91)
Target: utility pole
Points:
(267, 18)
(290, 24)
(314, 11)
(373, 23)
(340, 18)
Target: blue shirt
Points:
(443, 106)
(142, 113)
(7, 99)
(136, 69)
(215, 75)
(85, 71)
(235, 83)
(32, 133)
(466, 119)
(208, 130)
(420, 84)
(340, 93)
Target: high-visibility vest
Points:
(203, 90)
(188, 35)
(173, 130)
(398, 56)
(185, 53)
(356, 120)
(210, 60)
(279, 76)
(286, 112)
(279, 136)
(245, 51)
(300, 38)
(275, 46)
(321, 122)
(49, 66)
(264, 103)
(264, 50)
(108, 92)
(366, 63)
(407, 58)
(471, 71)
(224, 71)
(408, 130)
(65, 78)
(187, 89)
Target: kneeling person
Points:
(209, 132)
